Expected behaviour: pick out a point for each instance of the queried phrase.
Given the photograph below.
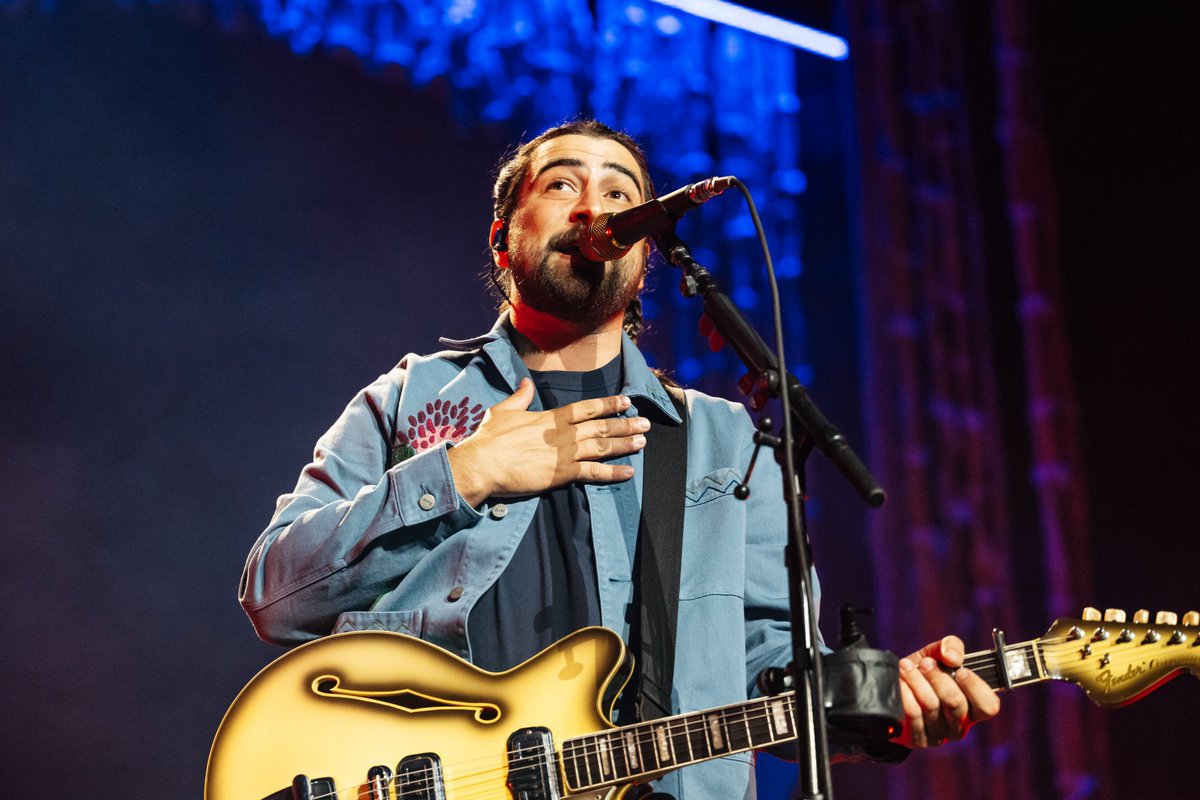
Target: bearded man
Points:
(489, 498)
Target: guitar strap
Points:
(657, 562)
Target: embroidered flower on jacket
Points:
(440, 421)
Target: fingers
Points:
(948, 650)
(593, 433)
(612, 436)
(942, 704)
(518, 400)
(583, 410)
(983, 701)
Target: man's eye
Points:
(559, 183)
(619, 194)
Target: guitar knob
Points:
(1114, 615)
(1141, 616)
(1091, 614)
(1191, 619)
(1166, 618)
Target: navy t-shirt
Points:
(549, 589)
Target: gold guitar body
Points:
(338, 706)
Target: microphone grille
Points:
(597, 243)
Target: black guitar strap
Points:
(657, 563)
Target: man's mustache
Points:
(567, 240)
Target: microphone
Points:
(613, 235)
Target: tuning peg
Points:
(1114, 615)
(1141, 616)
(1191, 619)
(1166, 618)
(1091, 614)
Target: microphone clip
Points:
(762, 438)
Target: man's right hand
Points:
(515, 451)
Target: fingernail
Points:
(639, 441)
(907, 665)
(928, 665)
(623, 401)
(624, 472)
(961, 674)
(641, 424)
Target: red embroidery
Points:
(441, 421)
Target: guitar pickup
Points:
(531, 765)
(305, 788)
(419, 777)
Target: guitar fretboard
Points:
(626, 754)
(649, 748)
(1021, 662)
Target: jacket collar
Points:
(496, 345)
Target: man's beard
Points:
(585, 293)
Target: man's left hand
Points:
(941, 706)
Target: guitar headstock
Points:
(1118, 661)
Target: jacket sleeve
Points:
(353, 527)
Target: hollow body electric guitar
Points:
(382, 716)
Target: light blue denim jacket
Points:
(360, 544)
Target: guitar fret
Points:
(759, 726)
(620, 758)
(698, 739)
(716, 732)
(571, 749)
(737, 731)
(631, 749)
(605, 757)
(588, 755)
(662, 740)
(780, 718)
(683, 740)
(647, 752)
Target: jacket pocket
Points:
(713, 486)
(408, 622)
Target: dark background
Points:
(208, 243)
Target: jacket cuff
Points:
(423, 488)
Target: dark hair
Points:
(514, 169)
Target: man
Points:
(487, 499)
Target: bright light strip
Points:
(793, 33)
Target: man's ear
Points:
(498, 241)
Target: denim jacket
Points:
(375, 536)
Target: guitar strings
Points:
(644, 734)
(469, 782)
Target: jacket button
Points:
(499, 511)
(426, 502)
(455, 593)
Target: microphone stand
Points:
(815, 432)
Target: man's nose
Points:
(588, 206)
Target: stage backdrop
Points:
(217, 223)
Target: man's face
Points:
(572, 180)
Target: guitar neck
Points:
(647, 749)
(1114, 662)
(636, 752)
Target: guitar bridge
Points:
(532, 773)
